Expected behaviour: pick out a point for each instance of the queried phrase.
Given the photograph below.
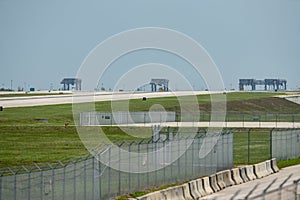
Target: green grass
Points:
(286, 163)
(26, 145)
(259, 146)
(23, 116)
(26, 139)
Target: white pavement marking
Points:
(259, 185)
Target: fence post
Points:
(139, 164)
(249, 140)
(84, 179)
(15, 186)
(93, 174)
(109, 171)
(0, 186)
(129, 172)
(178, 160)
(192, 148)
(119, 171)
(64, 183)
(74, 184)
(52, 183)
(29, 178)
(41, 190)
(164, 161)
(100, 174)
(271, 145)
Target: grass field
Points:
(37, 134)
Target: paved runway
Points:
(95, 96)
(283, 178)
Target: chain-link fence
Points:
(257, 145)
(285, 144)
(87, 178)
(108, 118)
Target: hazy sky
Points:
(42, 42)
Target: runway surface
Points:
(284, 178)
(8, 102)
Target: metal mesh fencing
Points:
(90, 179)
(108, 118)
(286, 144)
(236, 116)
(257, 145)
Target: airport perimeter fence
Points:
(236, 116)
(87, 178)
(127, 118)
(108, 118)
(257, 145)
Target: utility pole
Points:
(11, 83)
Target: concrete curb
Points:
(175, 192)
(194, 189)
(260, 170)
(220, 180)
(236, 176)
(268, 167)
(250, 172)
(214, 183)
(274, 165)
(243, 174)
(227, 178)
(186, 192)
(206, 185)
(201, 187)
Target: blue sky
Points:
(42, 42)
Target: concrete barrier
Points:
(206, 185)
(158, 195)
(243, 174)
(175, 192)
(201, 187)
(213, 183)
(186, 191)
(260, 170)
(274, 165)
(220, 180)
(257, 171)
(194, 189)
(236, 177)
(268, 167)
(227, 178)
(250, 173)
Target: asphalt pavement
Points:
(275, 186)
